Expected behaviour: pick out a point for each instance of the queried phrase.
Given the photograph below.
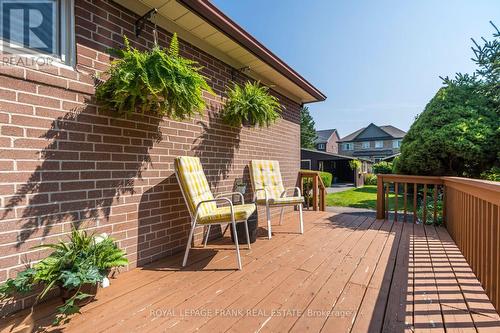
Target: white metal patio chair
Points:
(202, 205)
(270, 192)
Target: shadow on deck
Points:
(347, 273)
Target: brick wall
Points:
(332, 145)
(64, 161)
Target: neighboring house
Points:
(326, 140)
(372, 142)
(66, 161)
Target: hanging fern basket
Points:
(159, 81)
(250, 105)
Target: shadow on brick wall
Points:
(89, 163)
(163, 222)
(216, 147)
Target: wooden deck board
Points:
(347, 273)
(427, 316)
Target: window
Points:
(396, 143)
(321, 146)
(348, 146)
(365, 145)
(379, 144)
(39, 30)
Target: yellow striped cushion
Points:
(194, 185)
(223, 214)
(282, 201)
(266, 174)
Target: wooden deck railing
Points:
(415, 191)
(470, 210)
(314, 184)
(473, 221)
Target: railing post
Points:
(315, 192)
(323, 199)
(380, 197)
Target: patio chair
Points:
(269, 190)
(202, 205)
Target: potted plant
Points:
(250, 105)
(158, 81)
(76, 268)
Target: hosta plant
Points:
(74, 266)
(252, 105)
(158, 81)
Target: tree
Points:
(458, 133)
(307, 130)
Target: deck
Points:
(347, 273)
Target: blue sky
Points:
(377, 61)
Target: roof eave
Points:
(214, 16)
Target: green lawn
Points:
(363, 197)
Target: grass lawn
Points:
(363, 197)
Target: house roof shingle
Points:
(391, 131)
(322, 136)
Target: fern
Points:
(251, 104)
(173, 50)
(158, 81)
(83, 260)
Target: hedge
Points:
(326, 177)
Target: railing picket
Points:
(386, 212)
(315, 192)
(396, 188)
(435, 203)
(424, 213)
(405, 200)
(443, 200)
(415, 191)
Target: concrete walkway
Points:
(340, 187)
(351, 210)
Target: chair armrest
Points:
(296, 189)
(215, 200)
(232, 193)
(266, 197)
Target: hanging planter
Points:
(158, 81)
(250, 105)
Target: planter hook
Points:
(141, 21)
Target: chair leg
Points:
(188, 245)
(268, 213)
(247, 233)
(281, 215)
(235, 235)
(206, 237)
(301, 217)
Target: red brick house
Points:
(65, 162)
(327, 140)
